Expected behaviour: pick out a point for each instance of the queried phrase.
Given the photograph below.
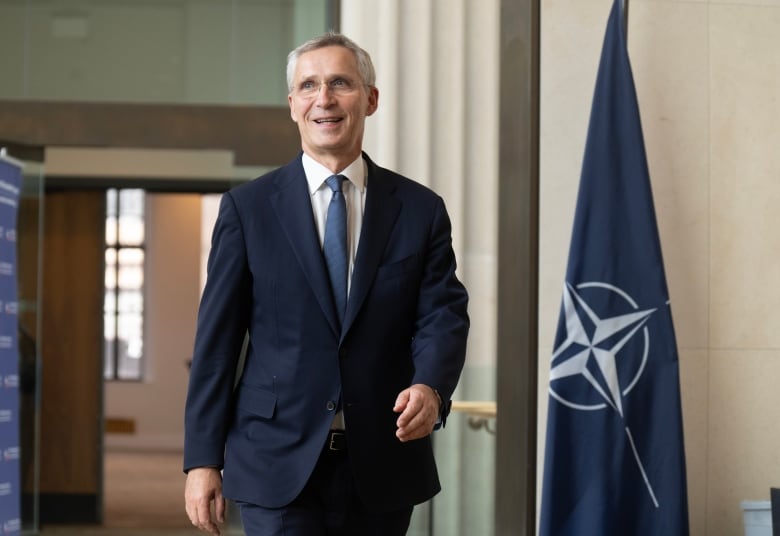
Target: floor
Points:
(144, 496)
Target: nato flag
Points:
(614, 458)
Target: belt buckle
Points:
(334, 436)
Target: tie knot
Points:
(335, 181)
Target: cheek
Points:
(297, 110)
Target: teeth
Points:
(325, 120)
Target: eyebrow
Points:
(305, 78)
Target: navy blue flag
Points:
(614, 459)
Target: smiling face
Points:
(330, 102)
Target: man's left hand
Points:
(419, 409)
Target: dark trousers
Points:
(328, 506)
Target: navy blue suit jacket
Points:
(405, 323)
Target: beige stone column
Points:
(437, 122)
(438, 78)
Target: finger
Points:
(419, 426)
(401, 401)
(411, 416)
(219, 508)
(204, 516)
(191, 507)
(422, 422)
(217, 514)
(413, 404)
(410, 434)
(213, 528)
(190, 513)
(414, 407)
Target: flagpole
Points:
(624, 4)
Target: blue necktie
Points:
(334, 245)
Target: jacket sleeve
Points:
(442, 324)
(223, 318)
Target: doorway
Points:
(135, 477)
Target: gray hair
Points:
(331, 39)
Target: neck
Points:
(334, 163)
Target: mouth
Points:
(328, 120)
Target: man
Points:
(350, 362)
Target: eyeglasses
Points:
(337, 86)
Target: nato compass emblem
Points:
(601, 351)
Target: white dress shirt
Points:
(354, 190)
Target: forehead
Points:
(326, 61)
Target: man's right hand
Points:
(204, 486)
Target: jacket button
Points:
(331, 405)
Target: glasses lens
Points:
(337, 86)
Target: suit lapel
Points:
(379, 218)
(292, 205)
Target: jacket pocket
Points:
(256, 401)
(407, 264)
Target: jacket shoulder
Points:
(267, 183)
(399, 184)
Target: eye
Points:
(340, 83)
(306, 85)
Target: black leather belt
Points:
(336, 442)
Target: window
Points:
(124, 284)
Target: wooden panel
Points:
(120, 425)
(72, 325)
(257, 135)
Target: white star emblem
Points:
(604, 330)
(606, 358)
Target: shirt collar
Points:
(316, 173)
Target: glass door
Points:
(29, 242)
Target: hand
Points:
(419, 409)
(204, 486)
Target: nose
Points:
(324, 93)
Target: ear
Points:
(292, 108)
(373, 100)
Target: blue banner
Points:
(10, 492)
(614, 457)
